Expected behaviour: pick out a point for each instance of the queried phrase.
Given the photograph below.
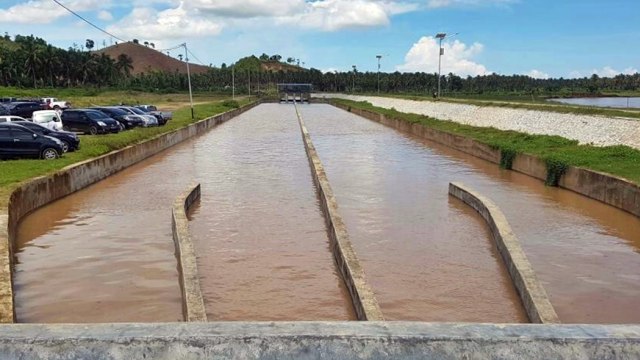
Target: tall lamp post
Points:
(441, 37)
(378, 57)
(353, 81)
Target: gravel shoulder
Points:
(586, 129)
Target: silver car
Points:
(149, 120)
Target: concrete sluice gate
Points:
(105, 254)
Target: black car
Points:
(18, 141)
(70, 141)
(23, 109)
(89, 121)
(129, 121)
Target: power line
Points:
(194, 55)
(87, 21)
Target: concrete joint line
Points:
(193, 308)
(364, 301)
(532, 294)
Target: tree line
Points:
(30, 62)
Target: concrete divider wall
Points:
(193, 309)
(43, 190)
(532, 294)
(363, 299)
(609, 189)
(319, 340)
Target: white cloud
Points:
(46, 11)
(608, 71)
(575, 75)
(248, 8)
(457, 58)
(168, 24)
(105, 16)
(537, 74)
(446, 3)
(333, 15)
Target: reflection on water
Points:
(428, 259)
(617, 102)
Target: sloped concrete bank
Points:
(606, 188)
(362, 296)
(319, 340)
(192, 301)
(532, 294)
(43, 190)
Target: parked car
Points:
(129, 121)
(11, 118)
(55, 104)
(23, 108)
(89, 121)
(70, 141)
(17, 141)
(48, 118)
(149, 119)
(163, 116)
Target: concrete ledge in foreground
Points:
(316, 340)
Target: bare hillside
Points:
(147, 59)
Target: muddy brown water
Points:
(105, 254)
(428, 258)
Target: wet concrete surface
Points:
(106, 254)
(429, 258)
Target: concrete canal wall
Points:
(43, 190)
(606, 188)
(364, 301)
(193, 308)
(532, 294)
(319, 340)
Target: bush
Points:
(231, 104)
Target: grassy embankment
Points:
(524, 102)
(558, 152)
(13, 172)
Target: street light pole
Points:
(186, 56)
(441, 37)
(353, 80)
(379, 57)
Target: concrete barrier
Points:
(364, 301)
(532, 294)
(319, 340)
(43, 190)
(192, 301)
(609, 189)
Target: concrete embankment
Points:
(609, 189)
(192, 300)
(534, 297)
(587, 129)
(43, 190)
(362, 296)
(319, 340)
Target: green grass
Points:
(622, 161)
(525, 102)
(14, 172)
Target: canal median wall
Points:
(43, 190)
(362, 296)
(319, 340)
(532, 294)
(606, 188)
(193, 309)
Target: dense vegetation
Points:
(558, 152)
(29, 62)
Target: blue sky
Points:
(542, 38)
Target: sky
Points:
(539, 38)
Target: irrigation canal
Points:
(106, 254)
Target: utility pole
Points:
(353, 80)
(441, 37)
(186, 56)
(249, 72)
(379, 57)
(233, 82)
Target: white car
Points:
(11, 118)
(48, 118)
(55, 104)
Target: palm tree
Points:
(124, 64)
